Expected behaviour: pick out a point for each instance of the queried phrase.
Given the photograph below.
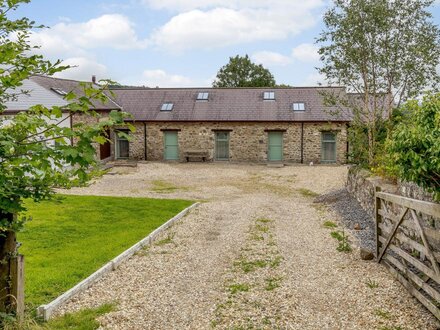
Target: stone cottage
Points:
(289, 125)
(233, 124)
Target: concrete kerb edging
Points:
(46, 311)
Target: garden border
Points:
(46, 311)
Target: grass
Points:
(249, 266)
(72, 236)
(272, 283)
(382, 313)
(307, 193)
(165, 187)
(329, 224)
(239, 287)
(372, 284)
(166, 240)
(83, 320)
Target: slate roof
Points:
(41, 91)
(228, 104)
(37, 95)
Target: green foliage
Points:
(413, 149)
(385, 52)
(242, 72)
(344, 245)
(70, 237)
(30, 165)
(330, 224)
(372, 284)
(84, 319)
(240, 287)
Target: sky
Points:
(180, 43)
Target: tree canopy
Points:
(385, 51)
(37, 154)
(242, 72)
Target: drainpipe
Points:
(145, 141)
(302, 143)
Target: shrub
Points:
(414, 145)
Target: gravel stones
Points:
(197, 266)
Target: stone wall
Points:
(87, 119)
(363, 185)
(248, 141)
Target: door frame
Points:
(215, 145)
(336, 147)
(282, 145)
(117, 139)
(165, 132)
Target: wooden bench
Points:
(204, 155)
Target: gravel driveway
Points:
(254, 255)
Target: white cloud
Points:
(203, 25)
(270, 58)
(314, 79)
(306, 53)
(153, 78)
(83, 69)
(107, 31)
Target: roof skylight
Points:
(269, 96)
(167, 107)
(59, 91)
(202, 96)
(299, 106)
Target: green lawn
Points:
(70, 238)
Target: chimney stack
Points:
(94, 79)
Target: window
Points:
(167, 107)
(269, 96)
(328, 153)
(59, 91)
(122, 145)
(222, 145)
(202, 96)
(299, 106)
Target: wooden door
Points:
(171, 145)
(275, 152)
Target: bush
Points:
(413, 147)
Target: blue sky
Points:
(180, 43)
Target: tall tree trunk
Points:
(8, 250)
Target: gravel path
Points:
(254, 255)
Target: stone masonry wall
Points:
(91, 120)
(248, 141)
(363, 185)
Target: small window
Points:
(299, 106)
(167, 107)
(269, 95)
(203, 96)
(59, 91)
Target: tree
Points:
(241, 72)
(30, 167)
(414, 145)
(384, 51)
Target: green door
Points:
(171, 151)
(222, 145)
(275, 152)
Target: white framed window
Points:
(167, 107)
(203, 96)
(299, 106)
(269, 95)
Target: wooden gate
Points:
(408, 243)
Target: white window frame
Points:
(269, 96)
(167, 106)
(299, 106)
